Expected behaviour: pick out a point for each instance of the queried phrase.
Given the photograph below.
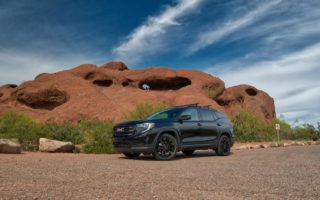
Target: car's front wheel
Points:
(166, 147)
(131, 155)
(224, 146)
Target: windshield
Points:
(172, 113)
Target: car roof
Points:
(197, 106)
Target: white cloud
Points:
(147, 38)
(293, 81)
(17, 67)
(215, 34)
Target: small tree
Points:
(144, 110)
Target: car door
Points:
(209, 126)
(190, 129)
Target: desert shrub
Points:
(27, 131)
(285, 132)
(305, 132)
(248, 127)
(95, 136)
(144, 110)
(98, 136)
(62, 132)
(210, 93)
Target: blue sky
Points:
(272, 44)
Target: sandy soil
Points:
(272, 173)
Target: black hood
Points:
(134, 122)
(130, 123)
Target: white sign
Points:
(277, 127)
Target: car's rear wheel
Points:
(188, 152)
(131, 155)
(224, 146)
(166, 147)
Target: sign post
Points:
(278, 134)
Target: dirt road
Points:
(275, 173)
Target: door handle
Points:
(199, 124)
(218, 124)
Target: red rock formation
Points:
(112, 90)
(249, 98)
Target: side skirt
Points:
(194, 146)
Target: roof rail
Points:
(193, 104)
(208, 106)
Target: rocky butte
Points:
(112, 90)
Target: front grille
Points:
(123, 131)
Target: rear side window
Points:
(192, 112)
(220, 115)
(207, 115)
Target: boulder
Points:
(244, 147)
(286, 144)
(9, 146)
(249, 98)
(46, 145)
(300, 143)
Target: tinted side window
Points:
(215, 115)
(207, 115)
(192, 112)
(220, 115)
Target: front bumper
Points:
(134, 144)
(124, 145)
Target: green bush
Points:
(210, 93)
(305, 132)
(95, 136)
(248, 127)
(62, 132)
(144, 110)
(98, 136)
(14, 125)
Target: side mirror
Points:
(184, 118)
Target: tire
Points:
(188, 152)
(224, 146)
(166, 147)
(131, 155)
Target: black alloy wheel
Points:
(224, 146)
(131, 155)
(166, 147)
(188, 152)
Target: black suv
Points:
(184, 128)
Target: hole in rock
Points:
(222, 102)
(1, 94)
(126, 83)
(103, 83)
(251, 92)
(227, 102)
(12, 86)
(166, 83)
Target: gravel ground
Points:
(275, 173)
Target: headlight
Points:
(144, 127)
